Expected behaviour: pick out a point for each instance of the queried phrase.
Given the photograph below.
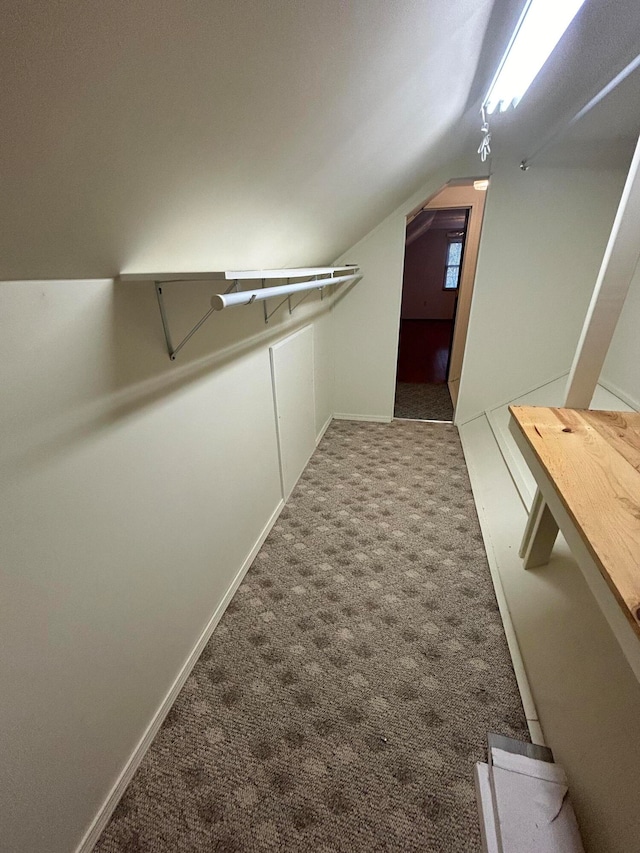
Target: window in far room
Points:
(454, 260)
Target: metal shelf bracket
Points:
(321, 277)
(173, 351)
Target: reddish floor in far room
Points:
(423, 352)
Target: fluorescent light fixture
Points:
(540, 28)
(482, 185)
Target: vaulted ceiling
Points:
(449, 219)
(165, 134)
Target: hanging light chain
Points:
(484, 148)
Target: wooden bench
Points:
(587, 467)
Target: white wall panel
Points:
(323, 370)
(132, 491)
(292, 371)
(542, 243)
(367, 325)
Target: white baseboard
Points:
(515, 465)
(102, 818)
(381, 419)
(423, 421)
(320, 435)
(526, 695)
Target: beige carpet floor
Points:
(348, 690)
(423, 401)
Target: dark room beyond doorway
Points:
(433, 261)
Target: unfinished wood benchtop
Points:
(592, 458)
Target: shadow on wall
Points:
(108, 336)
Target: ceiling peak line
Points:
(583, 111)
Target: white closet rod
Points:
(246, 297)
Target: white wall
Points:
(543, 237)
(258, 134)
(366, 324)
(367, 319)
(133, 490)
(294, 399)
(621, 371)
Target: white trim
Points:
(506, 401)
(511, 461)
(272, 374)
(513, 467)
(106, 810)
(320, 435)
(380, 419)
(530, 710)
(424, 420)
(621, 258)
(612, 388)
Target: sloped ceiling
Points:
(450, 219)
(602, 40)
(208, 134)
(178, 134)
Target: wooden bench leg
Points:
(539, 535)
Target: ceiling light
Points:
(540, 28)
(481, 185)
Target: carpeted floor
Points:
(347, 692)
(423, 401)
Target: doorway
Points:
(441, 248)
